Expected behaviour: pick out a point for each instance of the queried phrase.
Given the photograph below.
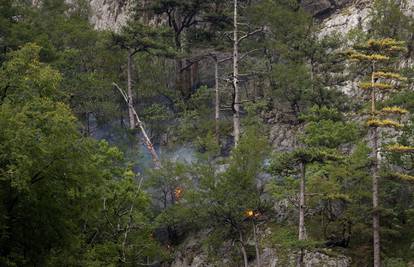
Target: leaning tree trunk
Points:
(140, 124)
(129, 92)
(236, 94)
(302, 230)
(375, 176)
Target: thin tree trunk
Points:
(256, 245)
(217, 102)
(301, 256)
(236, 96)
(129, 91)
(375, 202)
(302, 230)
(302, 233)
(243, 250)
(375, 176)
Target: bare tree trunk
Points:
(217, 102)
(243, 250)
(256, 245)
(236, 95)
(375, 176)
(302, 230)
(129, 91)
(139, 123)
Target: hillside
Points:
(191, 133)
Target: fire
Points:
(249, 213)
(178, 193)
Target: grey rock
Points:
(191, 254)
(346, 19)
(320, 7)
(316, 7)
(283, 136)
(318, 259)
(109, 14)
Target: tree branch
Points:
(247, 35)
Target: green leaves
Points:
(24, 77)
(138, 37)
(327, 133)
(324, 113)
(36, 136)
(62, 193)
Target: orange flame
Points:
(178, 193)
(249, 213)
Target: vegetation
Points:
(255, 144)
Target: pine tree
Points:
(377, 55)
(229, 202)
(324, 132)
(136, 38)
(296, 163)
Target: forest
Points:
(206, 133)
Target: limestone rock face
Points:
(109, 14)
(191, 254)
(352, 14)
(317, 259)
(112, 14)
(346, 19)
(336, 15)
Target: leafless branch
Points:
(250, 34)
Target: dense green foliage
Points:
(66, 200)
(77, 188)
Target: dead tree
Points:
(236, 91)
(140, 125)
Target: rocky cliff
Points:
(192, 254)
(112, 14)
(335, 15)
(109, 14)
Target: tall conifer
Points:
(377, 56)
